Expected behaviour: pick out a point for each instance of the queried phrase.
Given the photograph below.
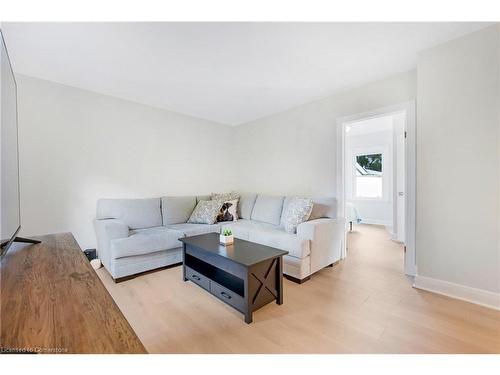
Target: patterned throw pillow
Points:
(205, 212)
(297, 211)
(228, 211)
(225, 196)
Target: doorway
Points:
(376, 174)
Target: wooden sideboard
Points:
(52, 301)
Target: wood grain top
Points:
(243, 252)
(52, 301)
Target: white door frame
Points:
(410, 266)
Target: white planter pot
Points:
(226, 240)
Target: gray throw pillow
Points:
(205, 212)
(297, 211)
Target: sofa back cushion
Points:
(324, 207)
(245, 206)
(267, 209)
(286, 202)
(177, 210)
(136, 213)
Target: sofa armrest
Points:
(326, 238)
(107, 230)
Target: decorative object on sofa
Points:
(228, 211)
(225, 196)
(226, 237)
(323, 207)
(205, 212)
(296, 212)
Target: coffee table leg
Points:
(184, 262)
(248, 317)
(279, 281)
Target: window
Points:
(368, 176)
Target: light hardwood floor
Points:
(363, 305)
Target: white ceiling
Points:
(230, 73)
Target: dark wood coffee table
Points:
(245, 275)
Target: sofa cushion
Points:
(278, 238)
(177, 209)
(145, 241)
(195, 229)
(286, 202)
(205, 212)
(269, 235)
(268, 208)
(297, 211)
(324, 207)
(152, 230)
(242, 228)
(136, 213)
(245, 205)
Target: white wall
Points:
(77, 146)
(498, 230)
(371, 211)
(294, 152)
(458, 156)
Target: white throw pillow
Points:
(297, 211)
(205, 212)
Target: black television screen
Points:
(9, 202)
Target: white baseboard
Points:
(376, 222)
(462, 292)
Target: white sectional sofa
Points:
(137, 235)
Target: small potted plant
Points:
(226, 237)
